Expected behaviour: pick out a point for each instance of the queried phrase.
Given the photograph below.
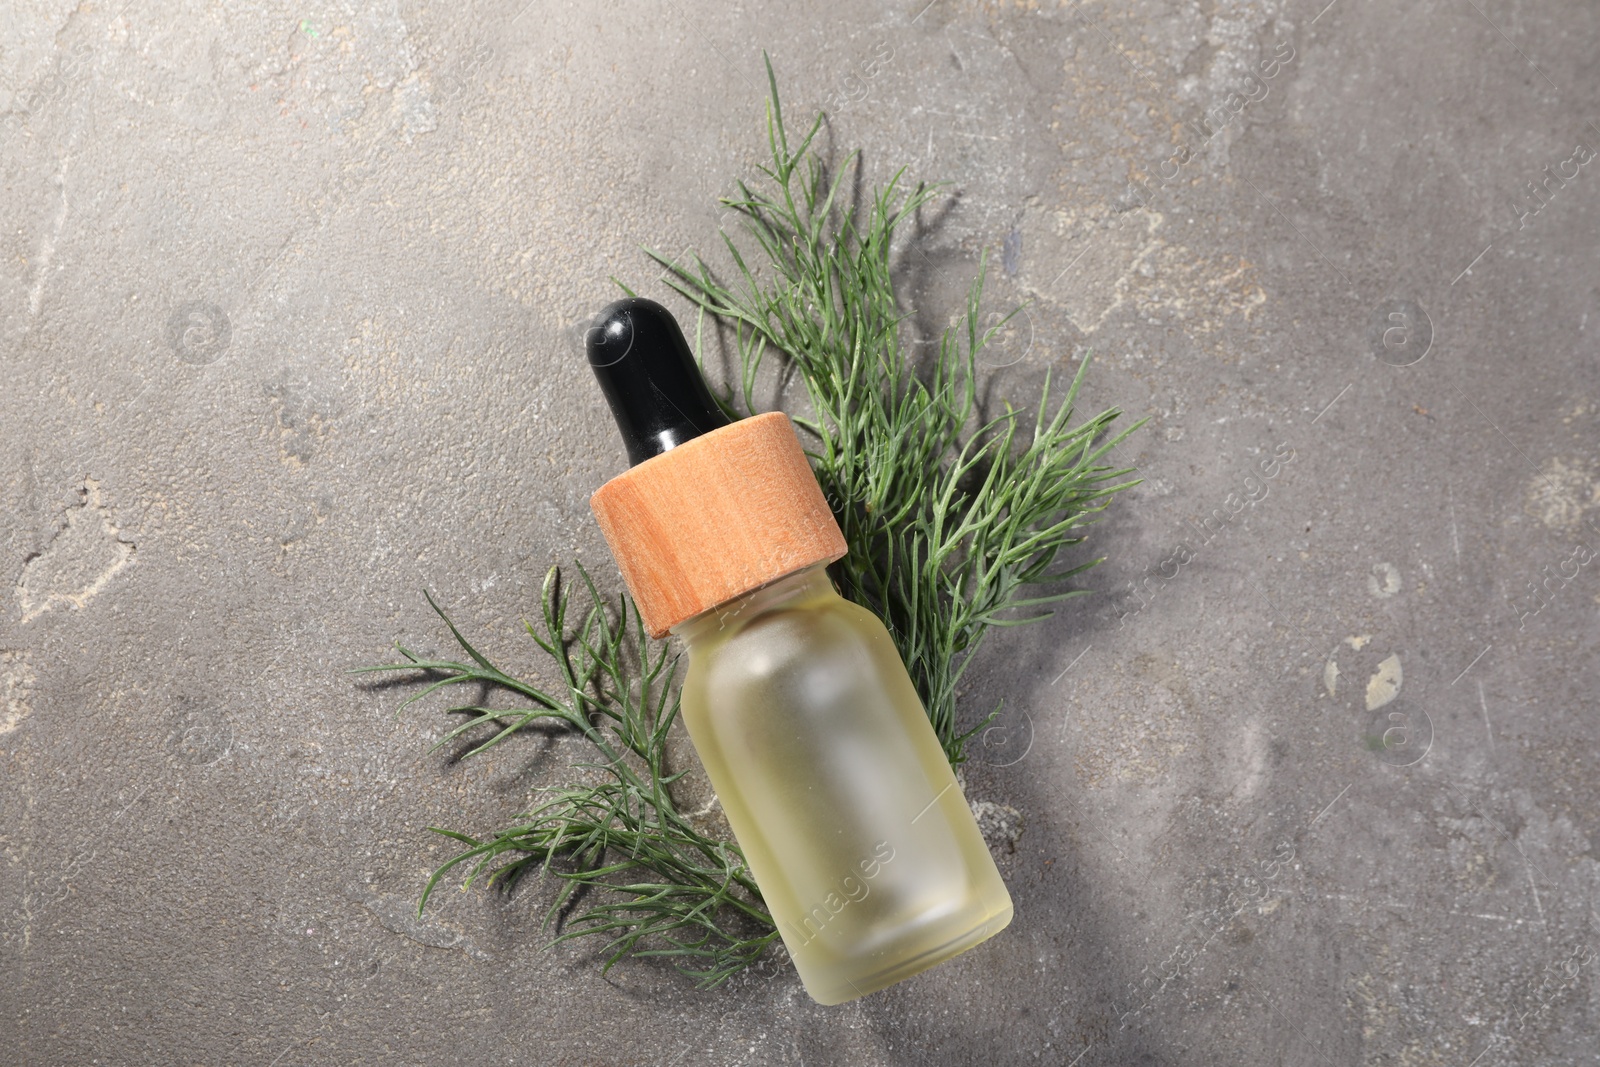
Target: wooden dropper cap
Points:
(710, 509)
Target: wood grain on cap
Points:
(714, 518)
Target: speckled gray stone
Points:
(288, 307)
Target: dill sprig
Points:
(661, 887)
(954, 518)
(954, 521)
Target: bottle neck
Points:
(811, 583)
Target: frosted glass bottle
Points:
(837, 788)
(796, 700)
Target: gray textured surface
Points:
(287, 298)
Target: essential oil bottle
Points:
(798, 703)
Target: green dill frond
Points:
(956, 520)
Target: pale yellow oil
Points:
(837, 789)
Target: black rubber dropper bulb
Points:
(650, 378)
